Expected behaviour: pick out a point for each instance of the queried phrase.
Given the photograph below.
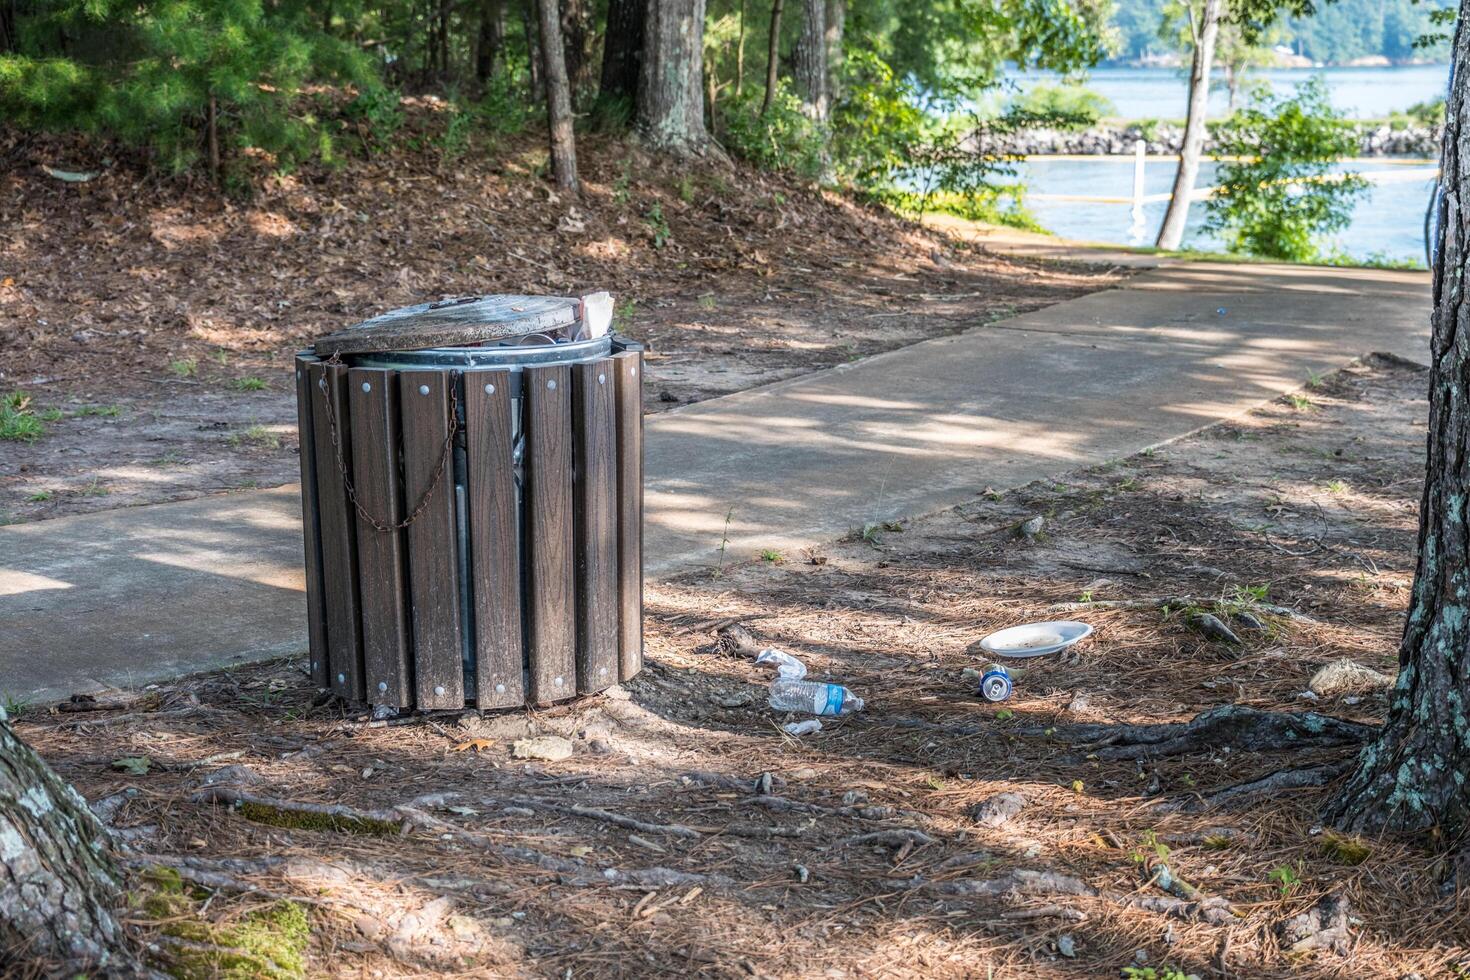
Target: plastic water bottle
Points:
(813, 698)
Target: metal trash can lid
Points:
(464, 321)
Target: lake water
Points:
(1388, 222)
(1163, 93)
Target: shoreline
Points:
(1375, 139)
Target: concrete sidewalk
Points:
(134, 595)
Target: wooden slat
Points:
(316, 608)
(546, 414)
(433, 563)
(372, 395)
(594, 436)
(494, 540)
(338, 530)
(628, 366)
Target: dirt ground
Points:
(151, 323)
(687, 835)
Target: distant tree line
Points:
(1336, 33)
(853, 89)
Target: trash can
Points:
(472, 501)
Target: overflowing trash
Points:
(791, 692)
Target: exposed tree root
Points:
(1286, 779)
(1238, 728)
(1049, 884)
(605, 816)
(308, 816)
(1179, 602)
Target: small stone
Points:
(998, 810)
(740, 699)
(1032, 527)
(1249, 620)
(1067, 946)
(804, 774)
(802, 874)
(1211, 627)
(548, 748)
(1348, 677)
(763, 784)
(854, 796)
(1141, 956)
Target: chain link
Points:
(347, 484)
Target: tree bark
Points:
(576, 34)
(491, 44)
(836, 30)
(533, 50)
(1413, 775)
(1205, 30)
(670, 89)
(773, 55)
(622, 51)
(740, 54)
(811, 60)
(58, 883)
(558, 97)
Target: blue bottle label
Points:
(834, 700)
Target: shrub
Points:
(1280, 196)
(1072, 107)
(782, 138)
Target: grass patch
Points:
(39, 497)
(103, 411)
(184, 367)
(772, 555)
(18, 422)
(256, 436)
(249, 384)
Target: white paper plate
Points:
(1034, 639)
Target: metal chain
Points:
(347, 483)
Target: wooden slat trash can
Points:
(472, 500)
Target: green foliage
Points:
(377, 115)
(658, 225)
(782, 138)
(1074, 106)
(18, 421)
(1282, 195)
(146, 72)
(1164, 972)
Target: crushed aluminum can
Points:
(995, 683)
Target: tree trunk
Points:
(1171, 233)
(558, 97)
(740, 54)
(490, 46)
(622, 51)
(836, 29)
(773, 55)
(811, 60)
(1412, 775)
(670, 89)
(576, 34)
(533, 49)
(58, 885)
(212, 125)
